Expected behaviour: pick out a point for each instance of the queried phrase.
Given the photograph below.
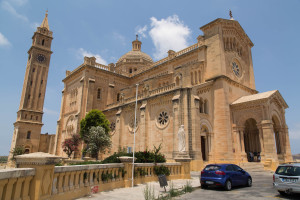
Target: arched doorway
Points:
(276, 128)
(251, 138)
(205, 143)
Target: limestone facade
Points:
(208, 87)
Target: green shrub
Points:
(160, 170)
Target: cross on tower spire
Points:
(230, 15)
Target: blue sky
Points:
(105, 29)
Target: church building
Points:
(199, 103)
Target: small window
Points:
(99, 93)
(41, 82)
(28, 134)
(25, 116)
(31, 117)
(36, 118)
(29, 96)
(118, 97)
(130, 70)
(40, 95)
(33, 70)
(27, 151)
(30, 83)
(43, 42)
(135, 69)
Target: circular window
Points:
(162, 119)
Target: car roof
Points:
(291, 164)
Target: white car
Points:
(286, 179)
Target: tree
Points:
(99, 141)
(18, 150)
(93, 118)
(71, 144)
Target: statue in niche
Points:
(181, 139)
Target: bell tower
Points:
(27, 128)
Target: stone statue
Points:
(181, 139)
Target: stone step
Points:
(252, 166)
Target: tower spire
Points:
(45, 21)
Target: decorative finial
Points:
(230, 14)
(137, 36)
(46, 13)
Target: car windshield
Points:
(288, 170)
(212, 168)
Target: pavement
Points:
(262, 189)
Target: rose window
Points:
(163, 118)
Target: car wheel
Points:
(228, 185)
(204, 186)
(283, 193)
(249, 182)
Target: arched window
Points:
(28, 134)
(43, 42)
(206, 107)
(99, 93)
(118, 97)
(27, 150)
(130, 70)
(177, 81)
(201, 106)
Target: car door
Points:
(232, 174)
(241, 177)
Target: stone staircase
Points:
(252, 166)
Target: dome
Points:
(134, 55)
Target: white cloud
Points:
(50, 112)
(4, 41)
(294, 132)
(19, 2)
(169, 33)
(119, 37)
(7, 6)
(141, 31)
(81, 53)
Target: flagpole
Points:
(136, 96)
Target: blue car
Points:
(224, 175)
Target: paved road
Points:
(262, 189)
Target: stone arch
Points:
(206, 138)
(241, 119)
(251, 137)
(178, 79)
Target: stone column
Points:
(243, 153)
(127, 161)
(287, 147)
(261, 142)
(142, 139)
(269, 140)
(176, 122)
(44, 163)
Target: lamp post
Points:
(136, 96)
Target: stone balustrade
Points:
(37, 177)
(14, 183)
